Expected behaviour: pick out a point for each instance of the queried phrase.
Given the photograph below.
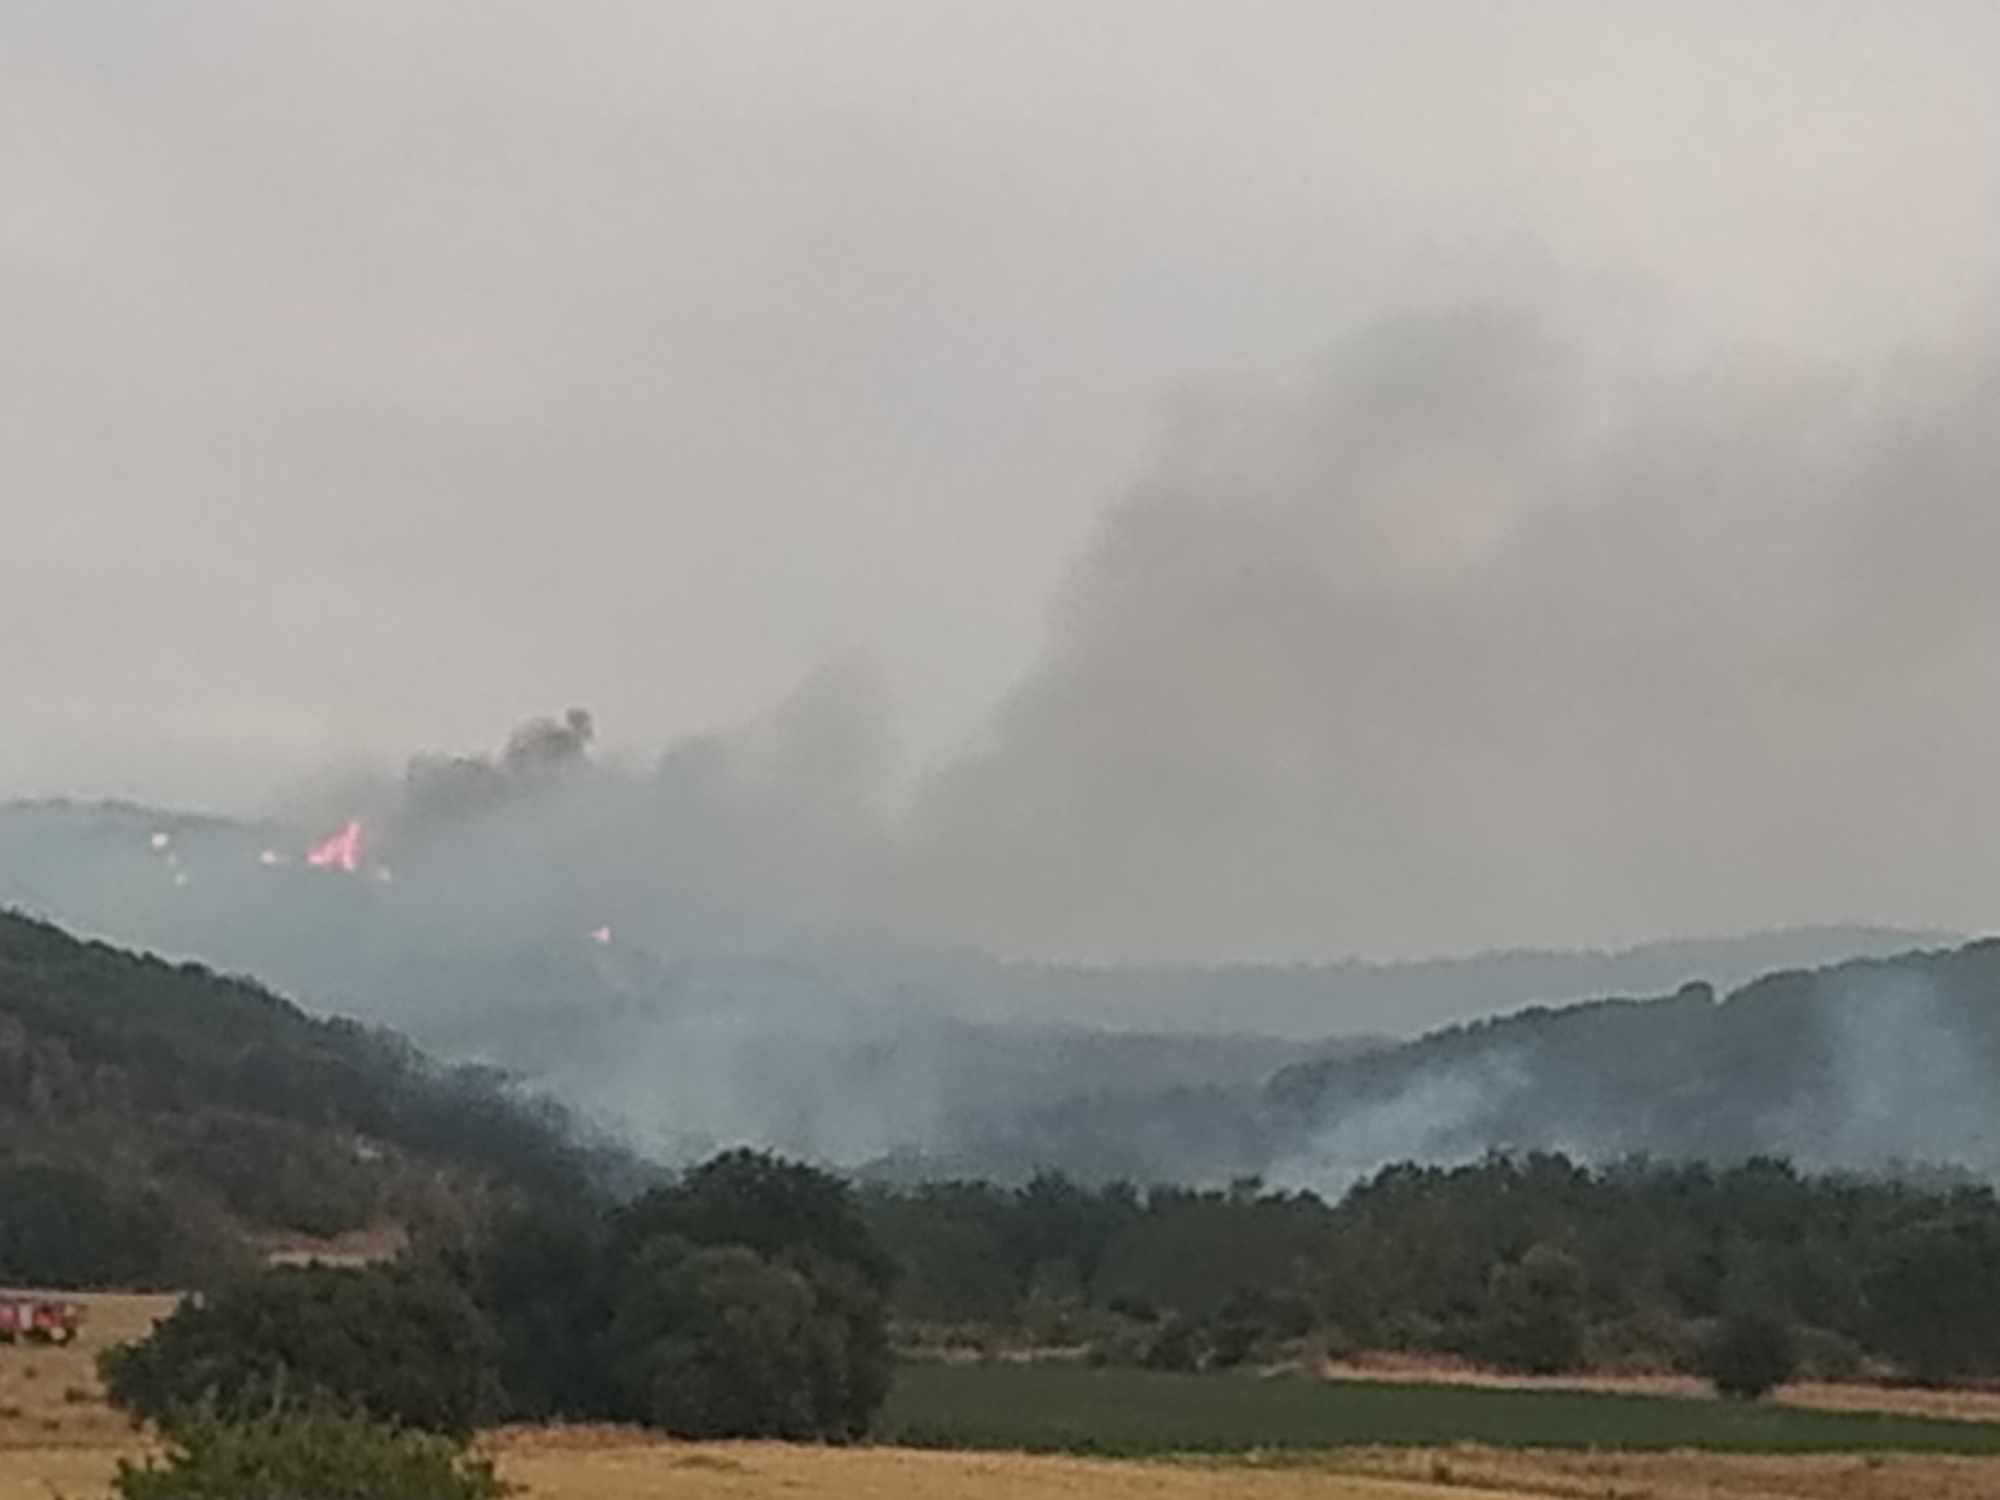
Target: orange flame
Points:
(341, 852)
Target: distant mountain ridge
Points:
(1865, 1065)
(851, 1051)
(1405, 998)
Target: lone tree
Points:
(1751, 1355)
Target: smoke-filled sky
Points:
(1276, 478)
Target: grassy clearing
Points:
(1065, 1409)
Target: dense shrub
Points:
(315, 1452)
(403, 1345)
(747, 1300)
(724, 1343)
(802, 1232)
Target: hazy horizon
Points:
(1114, 484)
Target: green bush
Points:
(402, 1344)
(310, 1453)
(723, 1343)
(1751, 1354)
(716, 1272)
(1534, 1319)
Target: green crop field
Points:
(1066, 1408)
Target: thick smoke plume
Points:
(1506, 624)
(1510, 627)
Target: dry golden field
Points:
(58, 1439)
(616, 1466)
(580, 1466)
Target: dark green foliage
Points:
(724, 1343)
(402, 1344)
(1531, 1262)
(949, 1242)
(63, 1228)
(541, 1273)
(749, 1300)
(171, 1085)
(314, 1452)
(746, 1300)
(1934, 1293)
(1534, 1321)
(1750, 1355)
(780, 1209)
(1065, 1408)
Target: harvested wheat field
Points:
(1688, 1476)
(564, 1467)
(49, 1397)
(598, 1466)
(57, 1437)
(572, 1466)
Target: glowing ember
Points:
(341, 852)
(601, 935)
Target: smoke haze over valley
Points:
(1093, 549)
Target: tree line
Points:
(1533, 1263)
(760, 1297)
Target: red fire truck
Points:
(38, 1320)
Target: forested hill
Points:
(152, 1114)
(1872, 1063)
